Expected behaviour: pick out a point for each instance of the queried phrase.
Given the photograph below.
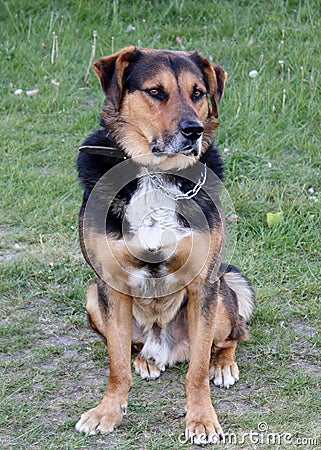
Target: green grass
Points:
(53, 367)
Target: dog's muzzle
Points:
(187, 141)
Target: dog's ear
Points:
(215, 77)
(110, 71)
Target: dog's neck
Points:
(109, 148)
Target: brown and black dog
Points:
(151, 228)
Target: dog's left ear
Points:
(110, 71)
(215, 77)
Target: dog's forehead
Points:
(154, 65)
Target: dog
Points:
(152, 229)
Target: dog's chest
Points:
(153, 218)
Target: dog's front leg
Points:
(202, 425)
(110, 313)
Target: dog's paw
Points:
(202, 427)
(102, 419)
(224, 375)
(146, 369)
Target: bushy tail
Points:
(242, 287)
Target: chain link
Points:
(158, 183)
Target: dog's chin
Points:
(169, 157)
(167, 161)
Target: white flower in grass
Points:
(32, 92)
(314, 197)
(253, 73)
(130, 28)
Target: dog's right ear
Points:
(215, 77)
(110, 71)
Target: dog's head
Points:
(161, 104)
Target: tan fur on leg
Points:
(115, 324)
(201, 419)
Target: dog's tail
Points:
(242, 287)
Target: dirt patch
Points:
(304, 328)
(9, 256)
(306, 366)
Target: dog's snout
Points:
(191, 129)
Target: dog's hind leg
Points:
(162, 347)
(223, 368)
(151, 361)
(110, 313)
(147, 369)
(235, 305)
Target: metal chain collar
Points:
(159, 184)
(156, 180)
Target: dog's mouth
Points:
(176, 145)
(187, 151)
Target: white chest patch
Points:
(152, 217)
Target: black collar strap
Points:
(104, 151)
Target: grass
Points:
(53, 367)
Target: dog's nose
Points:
(191, 129)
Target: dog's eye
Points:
(157, 92)
(197, 94)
